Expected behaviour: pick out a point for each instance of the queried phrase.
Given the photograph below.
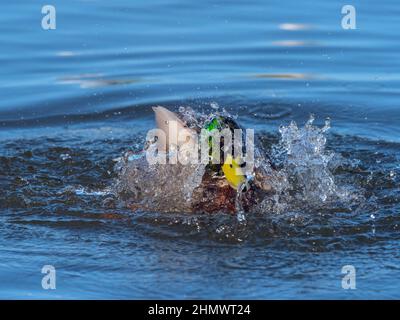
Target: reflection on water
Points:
(66, 54)
(285, 76)
(295, 26)
(93, 81)
(294, 43)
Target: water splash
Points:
(306, 161)
(159, 187)
(295, 173)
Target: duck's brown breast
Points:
(214, 195)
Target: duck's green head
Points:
(229, 166)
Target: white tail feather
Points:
(170, 123)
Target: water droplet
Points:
(65, 156)
(241, 217)
(214, 105)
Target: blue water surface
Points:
(86, 89)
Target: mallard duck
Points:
(224, 187)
